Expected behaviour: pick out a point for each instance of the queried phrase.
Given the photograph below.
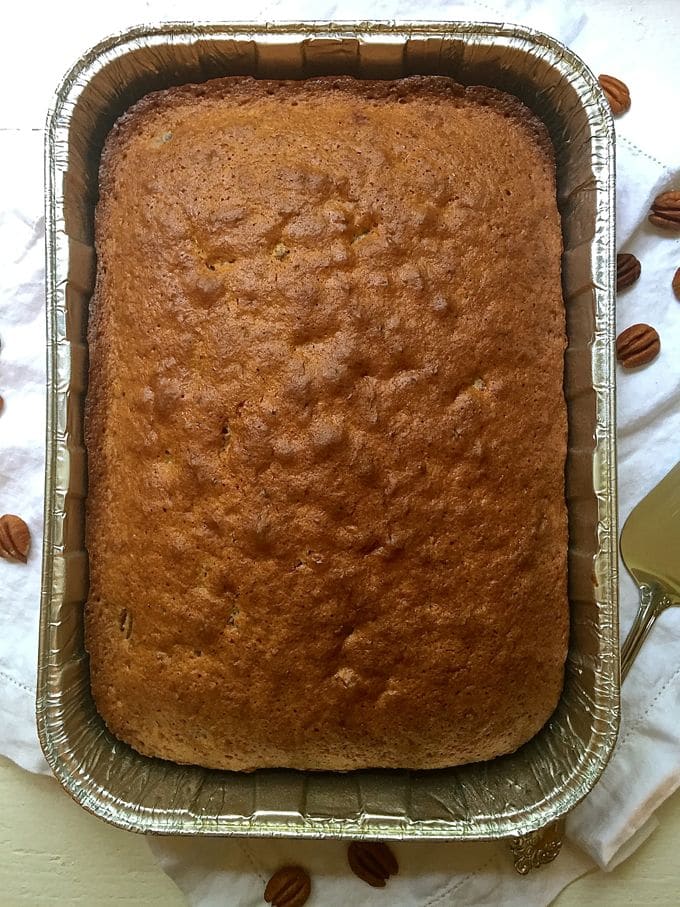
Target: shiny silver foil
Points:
(512, 795)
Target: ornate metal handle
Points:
(653, 600)
(538, 847)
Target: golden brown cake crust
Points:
(326, 426)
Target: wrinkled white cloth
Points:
(645, 767)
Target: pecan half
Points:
(676, 283)
(372, 861)
(637, 345)
(290, 886)
(665, 211)
(628, 269)
(616, 92)
(15, 538)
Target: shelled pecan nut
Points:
(616, 92)
(628, 270)
(290, 886)
(15, 538)
(665, 211)
(676, 283)
(372, 861)
(637, 345)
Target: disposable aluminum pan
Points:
(510, 796)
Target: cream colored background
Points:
(53, 853)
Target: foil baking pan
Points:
(509, 796)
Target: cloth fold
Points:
(645, 767)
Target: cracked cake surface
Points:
(326, 427)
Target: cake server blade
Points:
(650, 547)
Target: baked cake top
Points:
(326, 427)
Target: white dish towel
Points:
(645, 768)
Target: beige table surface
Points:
(53, 853)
